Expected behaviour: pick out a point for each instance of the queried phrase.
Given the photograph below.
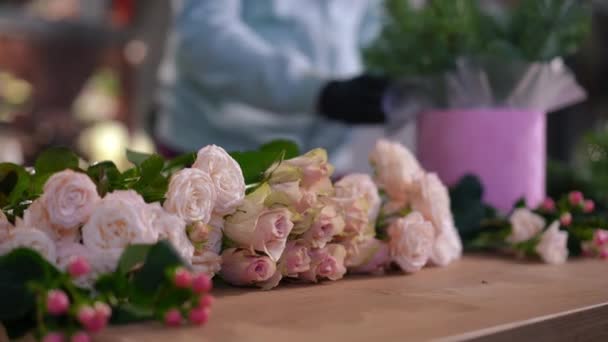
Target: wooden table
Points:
(482, 298)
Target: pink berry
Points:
(53, 337)
(604, 254)
(182, 278)
(576, 198)
(102, 309)
(173, 318)
(57, 302)
(199, 316)
(86, 317)
(548, 204)
(206, 301)
(201, 283)
(600, 237)
(79, 266)
(566, 219)
(81, 337)
(588, 206)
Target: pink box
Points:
(505, 148)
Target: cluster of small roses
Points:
(299, 226)
(571, 217)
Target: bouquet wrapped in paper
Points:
(480, 80)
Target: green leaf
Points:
(255, 163)
(106, 176)
(14, 182)
(17, 269)
(179, 162)
(287, 148)
(19, 327)
(137, 158)
(161, 257)
(56, 159)
(113, 285)
(133, 256)
(128, 313)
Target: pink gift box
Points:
(505, 148)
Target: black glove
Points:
(354, 101)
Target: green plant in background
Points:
(429, 40)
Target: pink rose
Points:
(206, 262)
(411, 242)
(395, 169)
(524, 225)
(36, 216)
(357, 185)
(326, 263)
(5, 227)
(295, 259)
(356, 215)
(366, 255)
(69, 198)
(33, 239)
(431, 198)
(227, 177)
(243, 268)
(191, 195)
(171, 228)
(120, 219)
(326, 222)
(311, 169)
(260, 228)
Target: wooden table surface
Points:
(480, 298)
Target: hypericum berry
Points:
(588, 206)
(78, 266)
(199, 316)
(205, 301)
(81, 336)
(600, 237)
(576, 198)
(173, 318)
(53, 337)
(201, 283)
(548, 205)
(566, 219)
(57, 302)
(182, 278)
(86, 317)
(604, 254)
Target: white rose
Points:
(69, 198)
(30, 238)
(432, 199)
(395, 169)
(227, 177)
(259, 228)
(323, 224)
(553, 245)
(206, 262)
(524, 225)
(359, 185)
(120, 219)
(411, 242)
(171, 228)
(191, 195)
(36, 216)
(207, 237)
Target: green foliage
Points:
(429, 40)
(468, 207)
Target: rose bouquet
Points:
(110, 246)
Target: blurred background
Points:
(83, 74)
